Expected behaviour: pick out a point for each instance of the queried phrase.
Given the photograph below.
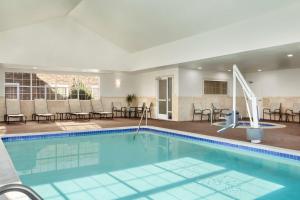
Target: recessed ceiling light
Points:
(34, 67)
(290, 55)
(199, 68)
(259, 70)
(229, 70)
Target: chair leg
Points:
(193, 116)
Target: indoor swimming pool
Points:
(156, 164)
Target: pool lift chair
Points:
(254, 133)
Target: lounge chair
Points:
(41, 111)
(75, 110)
(117, 107)
(293, 112)
(273, 110)
(199, 110)
(98, 110)
(13, 110)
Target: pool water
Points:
(151, 166)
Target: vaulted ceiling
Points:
(127, 28)
(140, 24)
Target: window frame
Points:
(12, 85)
(33, 87)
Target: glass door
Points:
(165, 98)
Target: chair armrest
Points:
(224, 109)
(289, 111)
(268, 109)
(216, 110)
(277, 110)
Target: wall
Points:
(191, 91)
(109, 87)
(270, 86)
(146, 87)
(276, 83)
(276, 86)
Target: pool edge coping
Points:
(181, 133)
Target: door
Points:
(165, 98)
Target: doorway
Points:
(164, 98)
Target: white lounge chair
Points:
(41, 111)
(98, 110)
(75, 110)
(13, 110)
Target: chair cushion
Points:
(13, 107)
(81, 113)
(40, 106)
(45, 114)
(74, 106)
(16, 115)
(97, 106)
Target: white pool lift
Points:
(254, 133)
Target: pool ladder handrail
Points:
(14, 187)
(144, 113)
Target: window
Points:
(215, 87)
(29, 86)
(62, 92)
(17, 85)
(95, 92)
(51, 92)
(12, 90)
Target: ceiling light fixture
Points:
(34, 67)
(229, 70)
(199, 68)
(259, 70)
(290, 55)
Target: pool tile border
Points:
(267, 150)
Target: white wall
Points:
(109, 88)
(146, 82)
(277, 83)
(2, 81)
(191, 81)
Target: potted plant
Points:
(130, 98)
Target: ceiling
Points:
(16, 13)
(128, 35)
(140, 24)
(135, 25)
(263, 59)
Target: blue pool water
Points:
(151, 166)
